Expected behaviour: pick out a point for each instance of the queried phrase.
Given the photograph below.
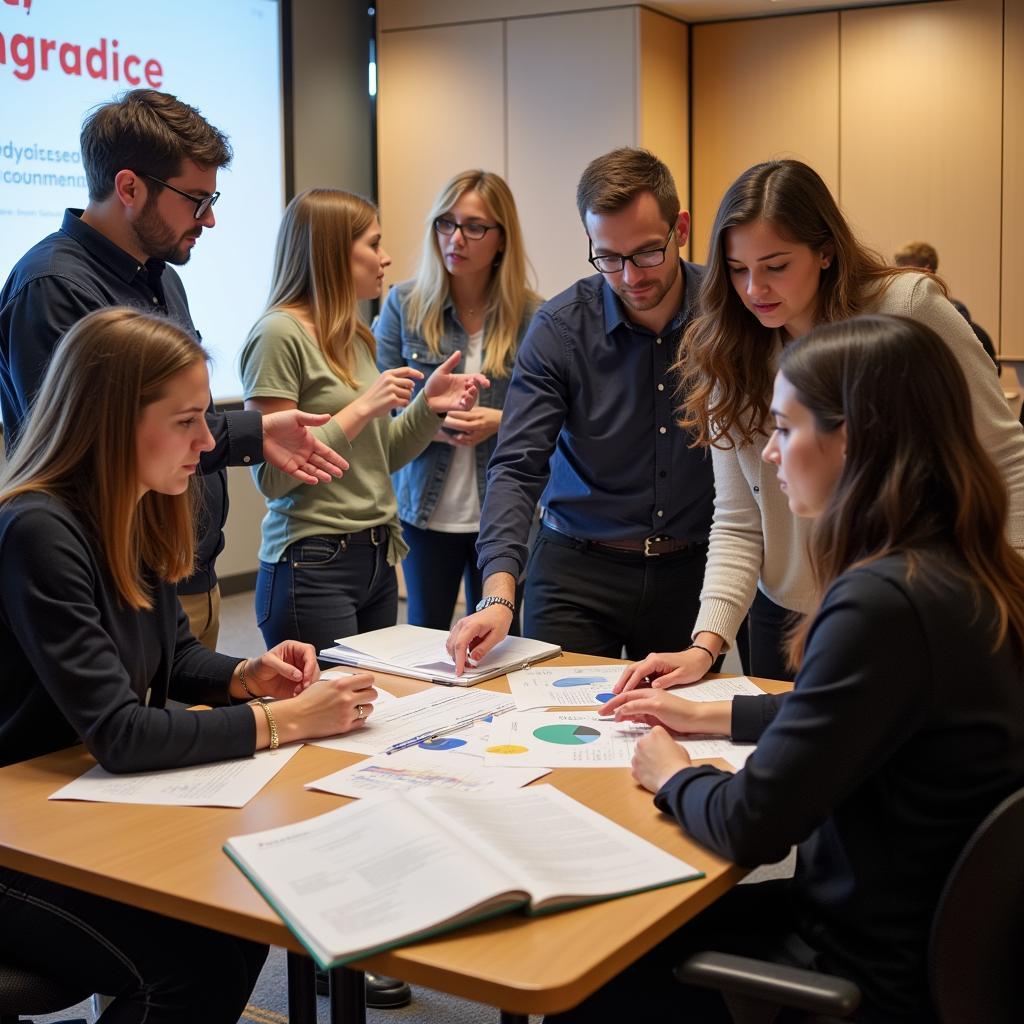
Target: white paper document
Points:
(581, 739)
(420, 653)
(419, 714)
(436, 767)
(552, 686)
(220, 784)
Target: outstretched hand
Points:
(289, 445)
(446, 390)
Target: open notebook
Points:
(420, 653)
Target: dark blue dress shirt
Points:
(76, 271)
(590, 414)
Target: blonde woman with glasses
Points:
(470, 295)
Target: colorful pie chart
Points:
(442, 743)
(578, 681)
(507, 748)
(605, 697)
(567, 735)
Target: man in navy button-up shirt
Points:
(589, 421)
(151, 162)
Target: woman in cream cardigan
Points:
(782, 259)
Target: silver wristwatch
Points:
(486, 602)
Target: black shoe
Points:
(382, 992)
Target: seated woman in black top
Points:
(906, 723)
(95, 527)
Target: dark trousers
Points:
(769, 624)
(435, 565)
(591, 600)
(325, 588)
(159, 971)
(750, 920)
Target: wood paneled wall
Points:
(901, 109)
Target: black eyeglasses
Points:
(203, 203)
(473, 230)
(613, 263)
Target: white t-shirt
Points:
(458, 506)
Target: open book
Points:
(420, 653)
(386, 871)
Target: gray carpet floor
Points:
(269, 1004)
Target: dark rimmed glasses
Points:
(203, 203)
(613, 263)
(473, 230)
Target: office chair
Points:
(23, 991)
(975, 950)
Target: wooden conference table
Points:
(169, 860)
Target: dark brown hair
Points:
(148, 132)
(611, 182)
(916, 479)
(725, 355)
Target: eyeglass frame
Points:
(203, 203)
(456, 226)
(592, 259)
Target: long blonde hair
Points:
(509, 296)
(79, 444)
(312, 271)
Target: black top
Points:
(76, 271)
(902, 732)
(79, 665)
(590, 420)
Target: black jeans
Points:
(591, 600)
(435, 565)
(159, 971)
(769, 624)
(325, 588)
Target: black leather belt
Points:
(375, 535)
(649, 547)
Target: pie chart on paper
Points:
(567, 735)
(579, 681)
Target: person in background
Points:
(470, 295)
(627, 500)
(905, 727)
(925, 257)
(783, 259)
(151, 162)
(96, 527)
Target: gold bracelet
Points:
(275, 740)
(243, 683)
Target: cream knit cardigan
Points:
(757, 542)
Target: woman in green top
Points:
(328, 552)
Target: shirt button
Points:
(154, 300)
(662, 430)
(661, 387)
(657, 341)
(661, 514)
(415, 355)
(757, 490)
(247, 459)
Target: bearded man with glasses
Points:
(589, 421)
(151, 163)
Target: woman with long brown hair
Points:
(470, 295)
(96, 526)
(905, 726)
(783, 259)
(328, 553)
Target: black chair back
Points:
(976, 952)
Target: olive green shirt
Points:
(281, 360)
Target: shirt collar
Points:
(615, 316)
(122, 263)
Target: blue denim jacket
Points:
(418, 484)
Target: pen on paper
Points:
(433, 735)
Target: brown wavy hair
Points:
(79, 444)
(916, 479)
(725, 376)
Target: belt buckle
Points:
(648, 553)
(374, 540)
